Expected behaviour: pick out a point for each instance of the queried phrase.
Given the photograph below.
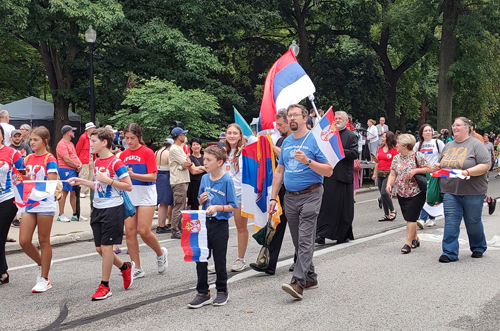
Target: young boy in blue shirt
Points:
(218, 198)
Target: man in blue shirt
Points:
(301, 168)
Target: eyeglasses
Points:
(295, 115)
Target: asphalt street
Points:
(365, 284)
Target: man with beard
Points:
(301, 168)
(337, 208)
(16, 142)
(275, 246)
(68, 165)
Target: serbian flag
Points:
(257, 180)
(286, 83)
(448, 173)
(328, 138)
(29, 193)
(194, 239)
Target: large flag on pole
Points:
(286, 83)
(238, 119)
(256, 183)
(328, 138)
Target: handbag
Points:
(434, 196)
(420, 179)
(129, 207)
(357, 165)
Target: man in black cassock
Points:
(337, 207)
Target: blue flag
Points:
(238, 119)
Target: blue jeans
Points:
(468, 207)
(424, 215)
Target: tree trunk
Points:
(446, 58)
(424, 112)
(300, 18)
(61, 118)
(390, 101)
(402, 120)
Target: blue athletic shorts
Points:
(65, 174)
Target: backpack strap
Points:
(437, 144)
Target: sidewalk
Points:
(69, 232)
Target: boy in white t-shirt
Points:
(107, 218)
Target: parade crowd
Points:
(120, 174)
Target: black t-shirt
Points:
(197, 161)
(23, 148)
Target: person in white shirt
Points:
(372, 138)
(7, 128)
(382, 128)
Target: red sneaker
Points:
(102, 293)
(127, 275)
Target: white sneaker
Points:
(162, 261)
(63, 218)
(82, 195)
(239, 265)
(430, 223)
(83, 219)
(42, 285)
(211, 269)
(138, 273)
(420, 224)
(155, 214)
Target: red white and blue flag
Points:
(257, 181)
(29, 193)
(328, 138)
(448, 173)
(194, 238)
(286, 83)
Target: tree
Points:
(154, 103)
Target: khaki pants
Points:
(180, 193)
(87, 173)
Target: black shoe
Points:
(492, 205)
(161, 229)
(255, 267)
(320, 240)
(292, 267)
(200, 300)
(445, 259)
(169, 228)
(477, 255)
(15, 223)
(221, 299)
(176, 235)
(379, 203)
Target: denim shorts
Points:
(43, 214)
(238, 199)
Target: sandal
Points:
(11, 240)
(392, 215)
(385, 218)
(415, 243)
(405, 249)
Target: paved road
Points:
(364, 285)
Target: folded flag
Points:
(258, 166)
(29, 193)
(448, 173)
(328, 138)
(194, 238)
(286, 83)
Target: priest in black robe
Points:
(337, 207)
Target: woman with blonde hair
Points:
(234, 144)
(404, 167)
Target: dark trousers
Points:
(8, 211)
(218, 235)
(277, 241)
(386, 198)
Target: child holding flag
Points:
(218, 197)
(110, 176)
(40, 166)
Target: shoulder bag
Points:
(420, 179)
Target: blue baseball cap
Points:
(176, 132)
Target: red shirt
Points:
(66, 148)
(83, 148)
(141, 161)
(385, 159)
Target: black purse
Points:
(420, 179)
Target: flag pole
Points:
(311, 98)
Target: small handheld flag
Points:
(194, 238)
(328, 138)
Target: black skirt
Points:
(411, 207)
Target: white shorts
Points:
(143, 195)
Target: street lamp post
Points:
(295, 48)
(90, 37)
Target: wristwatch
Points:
(309, 161)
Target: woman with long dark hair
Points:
(141, 165)
(385, 155)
